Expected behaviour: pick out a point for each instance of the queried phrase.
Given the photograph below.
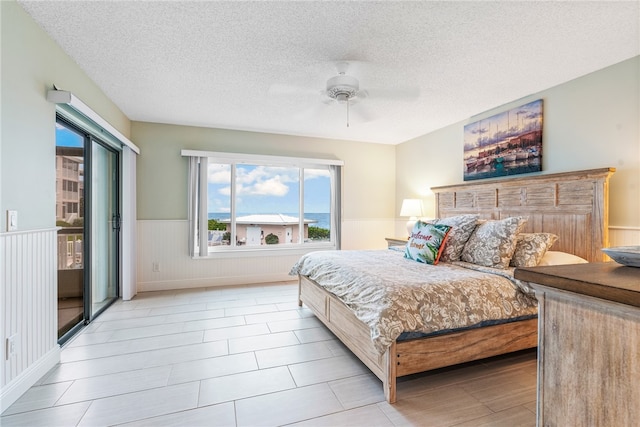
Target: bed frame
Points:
(572, 205)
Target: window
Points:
(244, 202)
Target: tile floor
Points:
(249, 356)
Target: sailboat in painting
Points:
(504, 144)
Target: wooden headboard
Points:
(572, 205)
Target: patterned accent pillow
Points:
(426, 242)
(462, 227)
(493, 243)
(530, 248)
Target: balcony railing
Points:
(70, 248)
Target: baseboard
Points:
(27, 378)
(166, 285)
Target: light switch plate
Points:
(12, 220)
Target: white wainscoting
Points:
(29, 309)
(624, 236)
(164, 243)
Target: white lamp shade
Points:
(411, 208)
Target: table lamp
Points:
(413, 209)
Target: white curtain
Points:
(128, 225)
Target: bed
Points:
(572, 206)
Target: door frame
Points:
(89, 138)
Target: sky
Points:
(67, 138)
(267, 189)
(508, 123)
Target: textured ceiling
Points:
(261, 65)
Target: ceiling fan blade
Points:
(362, 94)
(341, 96)
(396, 94)
(291, 96)
(311, 112)
(359, 113)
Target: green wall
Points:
(368, 177)
(31, 64)
(590, 122)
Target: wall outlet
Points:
(11, 347)
(12, 220)
(155, 267)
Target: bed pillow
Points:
(561, 258)
(426, 242)
(530, 248)
(461, 228)
(493, 243)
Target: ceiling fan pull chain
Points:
(347, 112)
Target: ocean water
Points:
(324, 219)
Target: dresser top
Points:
(606, 280)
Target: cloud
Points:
(265, 180)
(259, 180)
(249, 174)
(219, 174)
(264, 187)
(316, 173)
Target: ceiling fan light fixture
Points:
(342, 87)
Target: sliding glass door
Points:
(105, 226)
(88, 217)
(70, 220)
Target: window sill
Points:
(247, 251)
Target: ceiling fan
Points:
(344, 89)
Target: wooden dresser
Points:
(588, 344)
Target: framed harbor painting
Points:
(507, 143)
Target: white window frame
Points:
(198, 212)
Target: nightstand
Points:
(396, 241)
